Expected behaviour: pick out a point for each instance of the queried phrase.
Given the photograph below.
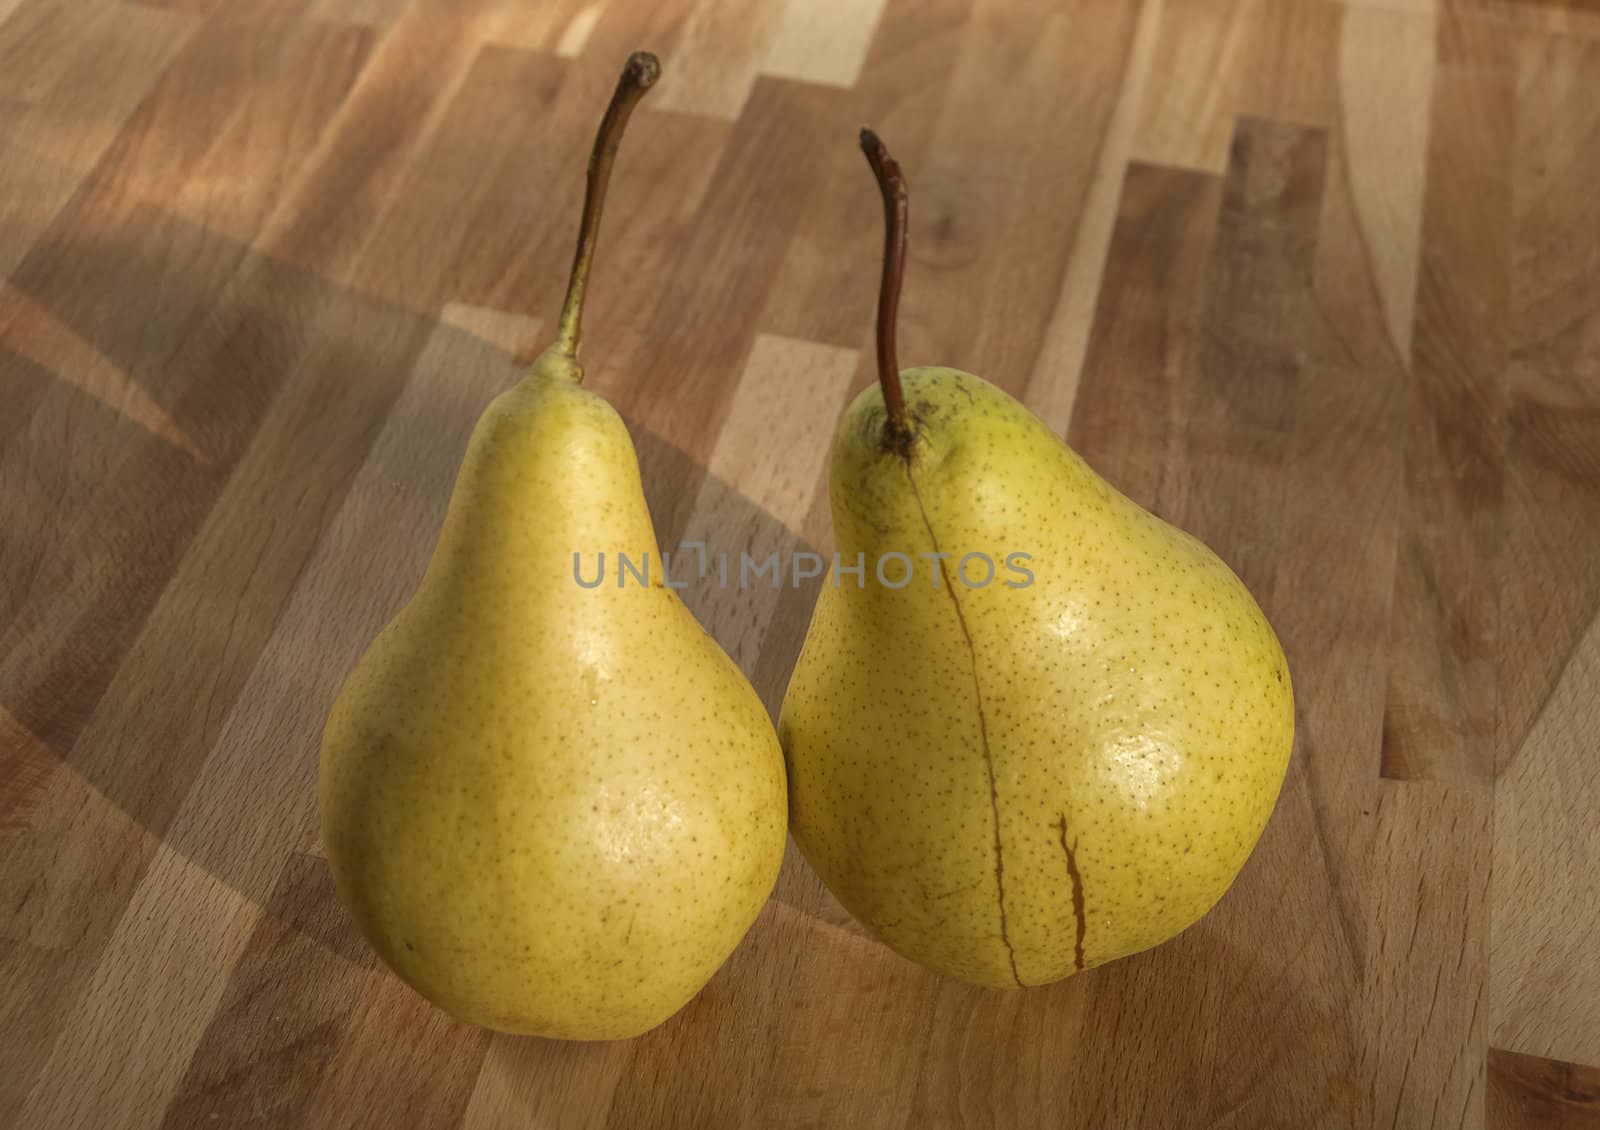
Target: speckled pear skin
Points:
(552, 810)
(1008, 785)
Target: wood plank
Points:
(824, 42)
(531, 27)
(1128, 420)
(1552, 17)
(210, 81)
(1356, 325)
(1527, 1092)
(288, 997)
(358, 13)
(144, 1023)
(67, 126)
(624, 27)
(345, 187)
(1544, 979)
(1419, 7)
(1386, 64)
(1442, 712)
(1339, 525)
(402, 1062)
(717, 57)
(279, 125)
(563, 1083)
(720, 1063)
(11, 112)
(1291, 75)
(197, 7)
(76, 321)
(26, 765)
(32, 333)
(996, 220)
(41, 42)
(1425, 1011)
(1053, 386)
(45, 917)
(1551, 564)
(1199, 67)
(1239, 403)
(1426, 1038)
(575, 35)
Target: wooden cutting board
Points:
(1318, 282)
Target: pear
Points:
(552, 809)
(1042, 729)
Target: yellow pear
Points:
(552, 808)
(1053, 740)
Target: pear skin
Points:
(1011, 778)
(552, 809)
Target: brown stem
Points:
(638, 76)
(897, 432)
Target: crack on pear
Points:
(1071, 851)
(983, 730)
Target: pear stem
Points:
(897, 431)
(638, 75)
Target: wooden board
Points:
(1315, 280)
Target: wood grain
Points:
(1544, 980)
(823, 42)
(1053, 387)
(997, 218)
(1439, 722)
(1197, 74)
(1313, 279)
(1385, 75)
(1525, 1091)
